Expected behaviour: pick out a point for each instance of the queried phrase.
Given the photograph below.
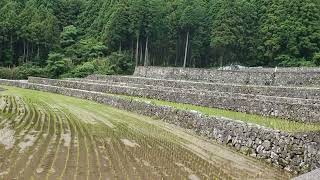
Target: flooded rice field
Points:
(47, 136)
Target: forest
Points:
(75, 38)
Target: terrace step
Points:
(233, 133)
(289, 108)
(281, 91)
(253, 76)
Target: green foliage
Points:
(155, 32)
(68, 36)
(121, 63)
(287, 61)
(316, 59)
(116, 63)
(22, 72)
(290, 28)
(8, 73)
(85, 50)
(82, 71)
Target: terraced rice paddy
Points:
(48, 136)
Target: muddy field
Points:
(47, 136)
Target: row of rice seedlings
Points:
(9, 102)
(25, 155)
(144, 145)
(144, 165)
(143, 137)
(70, 165)
(110, 148)
(47, 141)
(26, 113)
(93, 156)
(143, 151)
(209, 172)
(45, 165)
(11, 124)
(21, 131)
(53, 172)
(32, 151)
(108, 169)
(3, 103)
(130, 165)
(116, 159)
(115, 167)
(141, 168)
(118, 121)
(83, 168)
(5, 112)
(143, 126)
(141, 140)
(157, 154)
(62, 155)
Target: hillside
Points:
(67, 37)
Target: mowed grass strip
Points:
(269, 122)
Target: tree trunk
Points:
(24, 51)
(186, 51)
(141, 53)
(221, 58)
(11, 43)
(146, 63)
(38, 53)
(137, 51)
(120, 48)
(177, 53)
(27, 52)
(132, 50)
(11, 48)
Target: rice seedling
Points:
(59, 137)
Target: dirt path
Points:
(48, 136)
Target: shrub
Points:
(83, 70)
(85, 50)
(8, 73)
(116, 63)
(58, 65)
(288, 61)
(121, 63)
(316, 59)
(22, 72)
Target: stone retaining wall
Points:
(290, 108)
(296, 152)
(279, 77)
(294, 92)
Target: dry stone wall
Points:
(289, 108)
(296, 152)
(280, 91)
(255, 76)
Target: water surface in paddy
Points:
(53, 136)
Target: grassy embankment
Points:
(270, 122)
